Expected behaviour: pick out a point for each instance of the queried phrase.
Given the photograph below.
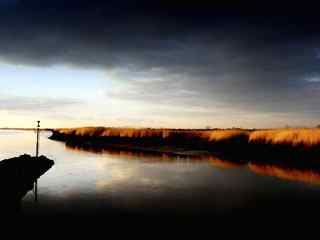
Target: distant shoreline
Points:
(26, 129)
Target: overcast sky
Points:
(146, 63)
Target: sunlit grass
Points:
(209, 135)
(293, 137)
(306, 137)
(221, 135)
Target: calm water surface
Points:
(83, 182)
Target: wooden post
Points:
(37, 155)
(37, 146)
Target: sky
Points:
(157, 63)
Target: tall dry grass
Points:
(207, 135)
(293, 137)
(115, 132)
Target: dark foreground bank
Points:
(17, 177)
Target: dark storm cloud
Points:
(206, 54)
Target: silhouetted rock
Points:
(17, 177)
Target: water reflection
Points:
(282, 171)
(217, 162)
(307, 176)
(140, 155)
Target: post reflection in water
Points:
(37, 155)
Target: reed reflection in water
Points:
(311, 176)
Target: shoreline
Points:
(232, 144)
(27, 129)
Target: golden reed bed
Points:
(308, 137)
(209, 135)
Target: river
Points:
(90, 183)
